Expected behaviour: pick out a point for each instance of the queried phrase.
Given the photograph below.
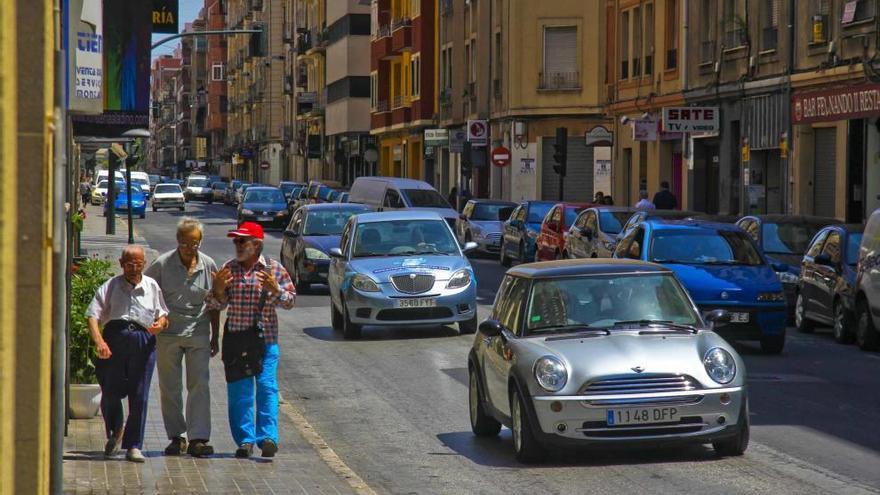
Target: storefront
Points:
(764, 153)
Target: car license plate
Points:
(739, 317)
(417, 303)
(638, 416)
(264, 219)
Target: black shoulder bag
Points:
(243, 351)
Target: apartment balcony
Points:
(401, 35)
(303, 43)
(555, 81)
(401, 109)
(309, 104)
(380, 47)
(380, 116)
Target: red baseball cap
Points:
(247, 229)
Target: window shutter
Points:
(774, 12)
(560, 50)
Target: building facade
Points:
(163, 81)
(215, 90)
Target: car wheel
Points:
(801, 322)
(842, 324)
(155, 209)
(525, 445)
(182, 208)
(143, 215)
(482, 424)
(773, 344)
(350, 331)
(468, 327)
(335, 317)
(211, 201)
(737, 444)
(866, 335)
(505, 260)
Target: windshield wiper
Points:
(651, 323)
(372, 255)
(579, 326)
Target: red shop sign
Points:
(843, 103)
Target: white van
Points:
(143, 179)
(392, 193)
(102, 175)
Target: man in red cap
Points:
(241, 286)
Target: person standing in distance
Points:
(238, 287)
(644, 203)
(185, 275)
(664, 199)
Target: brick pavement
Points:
(297, 468)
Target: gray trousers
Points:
(170, 353)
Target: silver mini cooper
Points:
(400, 268)
(602, 352)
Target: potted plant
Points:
(85, 394)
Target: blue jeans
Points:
(241, 403)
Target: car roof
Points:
(775, 218)
(334, 206)
(492, 202)
(847, 227)
(401, 182)
(571, 204)
(691, 224)
(624, 209)
(175, 184)
(266, 188)
(591, 266)
(389, 216)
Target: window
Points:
(374, 90)
(415, 67)
(217, 72)
(820, 11)
(467, 62)
(510, 311)
(624, 45)
(671, 34)
(857, 10)
(734, 24)
(498, 64)
(721, 247)
(769, 24)
(649, 39)
(637, 42)
(707, 31)
(443, 62)
(392, 199)
(560, 58)
(473, 64)
(415, 8)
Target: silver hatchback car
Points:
(400, 268)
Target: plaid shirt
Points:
(243, 297)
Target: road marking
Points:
(324, 451)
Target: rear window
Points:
(703, 247)
(199, 183)
(264, 196)
(488, 211)
(788, 238)
(537, 212)
(425, 198)
(612, 222)
(220, 185)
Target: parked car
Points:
(342, 198)
(722, 269)
(198, 187)
(826, 285)
(287, 187)
(480, 221)
(594, 232)
(604, 353)
(219, 190)
(229, 195)
(297, 198)
(400, 268)
(784, 239)
(642, 215)
(867, 299)
(391, 193)
(99, 193)
(312, 232)
(138, 201)
(520, 231)
(154, 181)
(239, 194)
(168, 196)
(264, 205)
(551, 240)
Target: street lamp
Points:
(134, 134)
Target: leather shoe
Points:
(200, 448)
(269, 448)
(244, 451)
(135, 455)
(176, 447)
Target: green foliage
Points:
(77, 221)
(90, 274)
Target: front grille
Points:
(600, 429)
(413, 283)
(642, 384)
(411, 314)
(494, 236)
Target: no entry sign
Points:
(501, 156)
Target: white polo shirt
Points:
(117, 299)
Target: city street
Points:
(394, 407)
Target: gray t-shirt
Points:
(184, 293)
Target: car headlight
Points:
(720, 365)
(550, 373)
(771, 296)
(316, 254)
(461, 278)
(787, 277)
(364, 283)
(281, 213)
(245, 211)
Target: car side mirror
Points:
(780, 267)
(291, 233)
(469, 246)
(491, 328)
(335, 252)
(718, 316)
(823, 259)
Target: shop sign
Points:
(456, 141)
(690, 119)
(844, 103)
(478, 132)
(436, 137)
(165, 16)
(746, 151)
(644, 130)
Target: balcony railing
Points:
(382, 31)
(381, 106)
(400, 22)
(400, 101)
(559, 80)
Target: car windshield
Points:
(571, 215)
(404, 238)
(787, 238)
(488, 211)
(264, 196)
(140, 182)
(600, 301)
(102, 185)
(537, 212)
(220, 185)
(612, 222)
(705, 246)
(425, 198)
(853, 241)
(199, 183)
(327, 222)
(167, 189)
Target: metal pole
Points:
(128, 200)
(111, 192)
(561, 187)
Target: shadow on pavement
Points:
(371, 333)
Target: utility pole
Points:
(560, 155)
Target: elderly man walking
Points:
(251, 287)
(185, 276)
(126, 314)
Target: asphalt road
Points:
(394, 407)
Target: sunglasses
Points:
(241, 240)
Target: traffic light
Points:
(259, 45)
(467, 165)
(560, 151)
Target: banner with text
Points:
(84, 49)
(843, 103)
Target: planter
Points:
(85, 400)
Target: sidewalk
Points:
(297, 468)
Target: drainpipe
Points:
(686, 143)
(787, 186)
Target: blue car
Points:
(138, 201)
(722, 268)
(519, 233)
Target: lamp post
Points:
(129, 161)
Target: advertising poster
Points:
(84, 48)
(127, 29)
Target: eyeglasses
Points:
(189, 245)
(241, 240)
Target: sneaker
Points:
(269, 448)
(135, 455)
(200, 448)
(176, 447)
(244, 451)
